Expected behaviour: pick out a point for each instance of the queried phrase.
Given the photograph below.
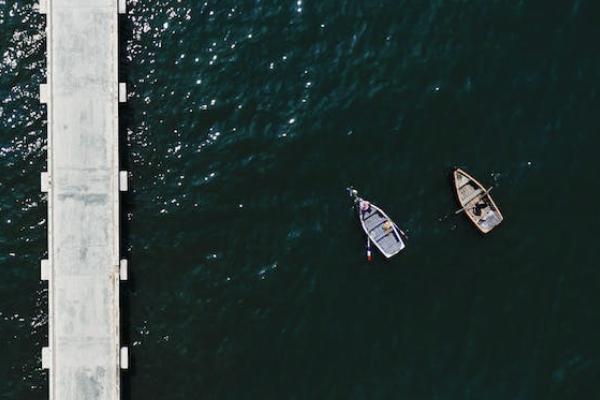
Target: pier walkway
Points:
(83, 269)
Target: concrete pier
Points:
(83, 269)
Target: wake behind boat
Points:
(380, 229)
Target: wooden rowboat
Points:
(380, 229)
(476, 202)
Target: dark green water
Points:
(247, 120)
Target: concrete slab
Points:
(83, 268)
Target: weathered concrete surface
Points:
(83, 199)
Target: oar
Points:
(401, 232)
(470, 201)
(369, 257)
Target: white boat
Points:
(380, 228)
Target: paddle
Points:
(369, 249)
(470, 201)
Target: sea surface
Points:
(246, 122)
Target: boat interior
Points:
(380, 232)
(479, 208)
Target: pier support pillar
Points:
(46, 358)
(45, 270)
(122, 92)
(124, 359)
(44, 93)
(123, 181)
(44, 182)
(123, 270)
(43, 7)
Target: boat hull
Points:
(476, 201)
(381, 230)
